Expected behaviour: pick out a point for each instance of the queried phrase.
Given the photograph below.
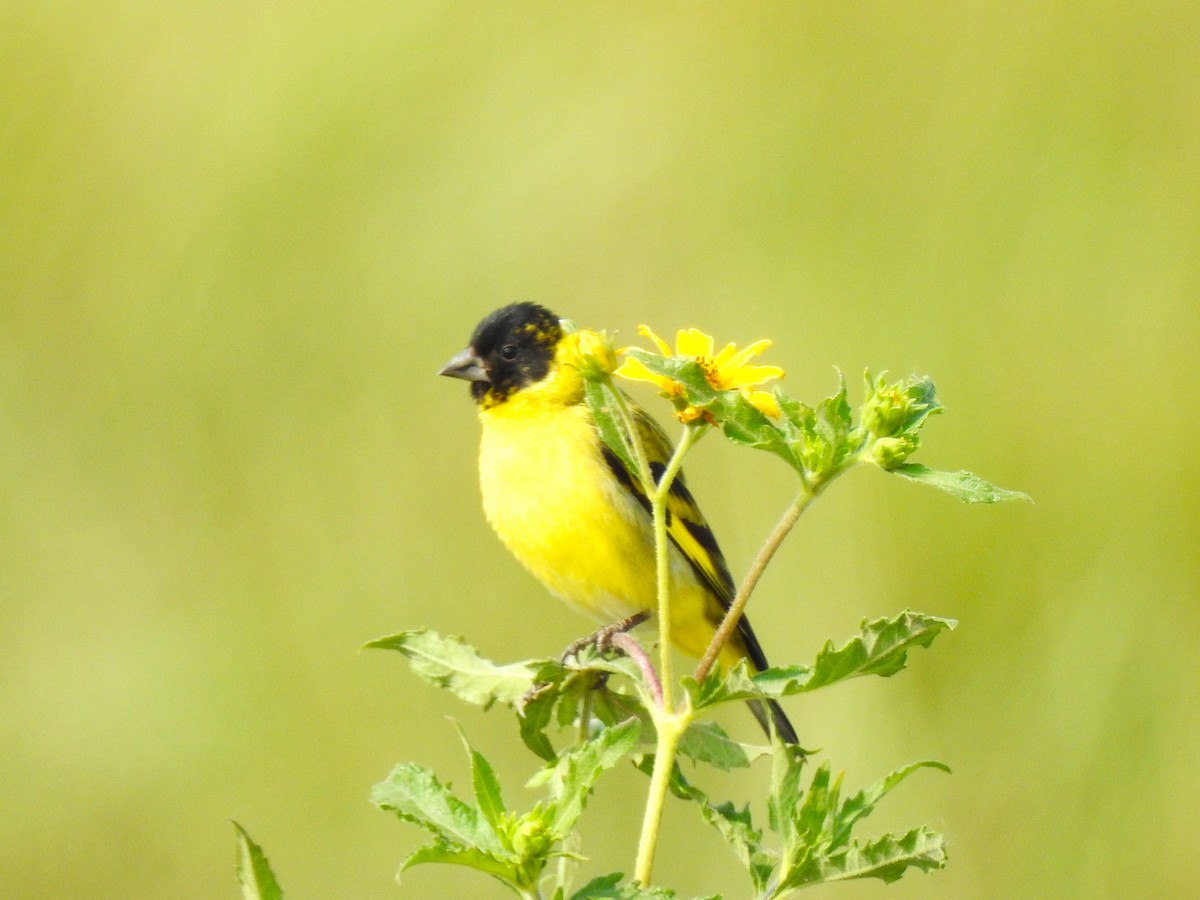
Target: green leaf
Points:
(414, 794)
(744, 424)
(606, 412)
(572, 778)
(535, 717)
(814, 815)
(822, 440)
(880, 649)
(886, 858)
(608, 887)
(687, 372)
(580, 688)
(253, 871)
(734, 825)
(487, 790)
(451, 663)
(863, 803)
(832, 422)
(441, 852)
(966, 486)
(707, 742)
(787, 768)
(815, 829)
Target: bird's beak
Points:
(466, 365)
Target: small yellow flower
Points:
(725, 370)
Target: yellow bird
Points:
(568, 508)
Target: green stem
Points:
(670, 724)
(635, 438)
(670, 729)
(662, 559)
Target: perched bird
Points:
(567, 506)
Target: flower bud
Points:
(889, 452)
(594, 354)
(887, 412)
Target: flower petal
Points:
(747, 375)
(635, 370)
(663, 349)
(765, 403)
(749, 352)
(693, 342)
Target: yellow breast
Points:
(552, 499)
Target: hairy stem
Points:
(635, 438)
(790, 516)
(670, 729)
(658, 508)
(631, 648)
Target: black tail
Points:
(772, 714)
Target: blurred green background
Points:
(240, 238)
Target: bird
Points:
(570, 510)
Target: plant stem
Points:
(631, 648)
(670, 727)
(734, 614)
(658, 509)
(635, 438)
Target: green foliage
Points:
(451, 663)
(968, 487)
(881, 648)
(485, 835)
(254, 873)
(812, 828)
(819, 442)
(811, 824)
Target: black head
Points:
(511, 348)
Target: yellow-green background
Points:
(238, 239)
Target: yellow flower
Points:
(725, 370)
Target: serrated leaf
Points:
(451, 663)
(707, 742)
(880, 649)
(572, 778)
(863, 803)
(743, 423)
(608, 887)
(787, 768)
(815, 814)
(254, 873)
(886, 858)
(579, 689)
(966, 486)
(414, 794)
(487, 790)
(470, 857)
(737, 828)
(832, 422)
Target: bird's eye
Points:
(509, 352)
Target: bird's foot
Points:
(602, 638)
